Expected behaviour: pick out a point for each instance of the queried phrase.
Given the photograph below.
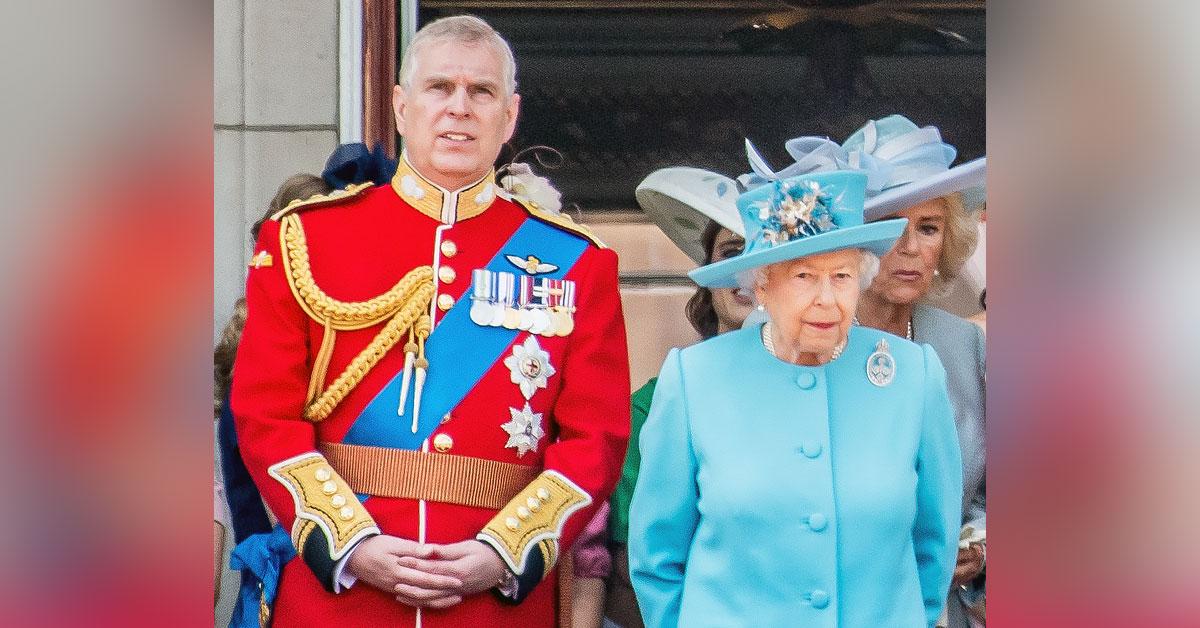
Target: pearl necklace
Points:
(769, 343)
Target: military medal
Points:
(529, 366)
(540, 318)
(481, 290)
(543, 320)
(524, 429)
(525, 311)
(509, 317)
(501, 282)
(566, 320)
(881, 366)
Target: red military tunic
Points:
(358, 246)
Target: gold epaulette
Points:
(562, 221)
(321, 200)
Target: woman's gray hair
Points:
(868, 267)
(464, 29)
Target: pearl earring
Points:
(936, 272)
(760, 307)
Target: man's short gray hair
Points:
(868, 267)
(464, 29)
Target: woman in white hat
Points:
(803, 472)
(915, 181)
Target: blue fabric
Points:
(260, 558)
(353, 163)
(247, 515)
(471, 348)
(785, 495)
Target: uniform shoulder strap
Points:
(561, 221)
(323, 200)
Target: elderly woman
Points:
(919, 185)
(805, 472)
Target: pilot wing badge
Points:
(530, 264)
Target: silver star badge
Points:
(524, 430)
(529, 366)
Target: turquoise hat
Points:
(801, 216)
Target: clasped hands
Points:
(426, 575)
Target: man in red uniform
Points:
(431, 391)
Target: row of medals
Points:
(544, 320)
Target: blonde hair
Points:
(958, 243)
(464, 29)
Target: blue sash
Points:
(459, 351)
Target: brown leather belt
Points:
(447, 478)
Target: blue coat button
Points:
(806, 380)
(811, 449)
(817, 522)
(819, 599)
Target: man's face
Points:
(456, 113)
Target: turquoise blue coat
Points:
(772, 494)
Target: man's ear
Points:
(399, 103)
(514, 107)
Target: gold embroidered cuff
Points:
(534, 519)
(323, 502)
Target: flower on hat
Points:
(535, 191)
(794, 211)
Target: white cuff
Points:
(343, 579)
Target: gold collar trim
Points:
(439, 203)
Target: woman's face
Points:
(732, 305)
(812, 300)
(906, 272)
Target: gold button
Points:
(323, 474)
(443, 442)
(449, 248)
(329, 488)
(511, 523)
(542, 493)
(533, 504)
(522, 512)
(338, 501)
(346, 513)
(447, 274)
(445, 302)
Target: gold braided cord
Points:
(411, 310)
(321, 364)
(341, 315)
